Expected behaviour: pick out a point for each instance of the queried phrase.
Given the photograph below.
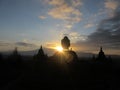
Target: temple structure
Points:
(15, 56)
(65, 42)
(101, 55)
(40, 54)
(68, 55)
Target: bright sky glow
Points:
(59, 48)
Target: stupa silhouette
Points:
(40, 55)
(101, 55)
(68, 55)
(65, 42)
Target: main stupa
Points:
(67, 55)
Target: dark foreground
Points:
(55, 75)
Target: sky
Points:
(89, 24)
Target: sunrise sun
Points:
(59, 48)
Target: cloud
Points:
(61, 12)
(10, 46)
(69, 26)
(76, 36)
(107, 35)
(89, 25)
(24, 44)
(64, 10)
(108, 32)
(55, 2)
(42, 17)
(6, 46)
(76, 3)
(111, 4)
(3, 43)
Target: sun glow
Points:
(59, 48)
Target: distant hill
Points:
(32, 52)
(50, 52)
(84, 54)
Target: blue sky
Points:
(45, 22)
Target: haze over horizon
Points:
(89, 24)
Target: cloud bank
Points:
(111, 4)
(22, 46)
(67, 11)
(106, 35)
(61, 9)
